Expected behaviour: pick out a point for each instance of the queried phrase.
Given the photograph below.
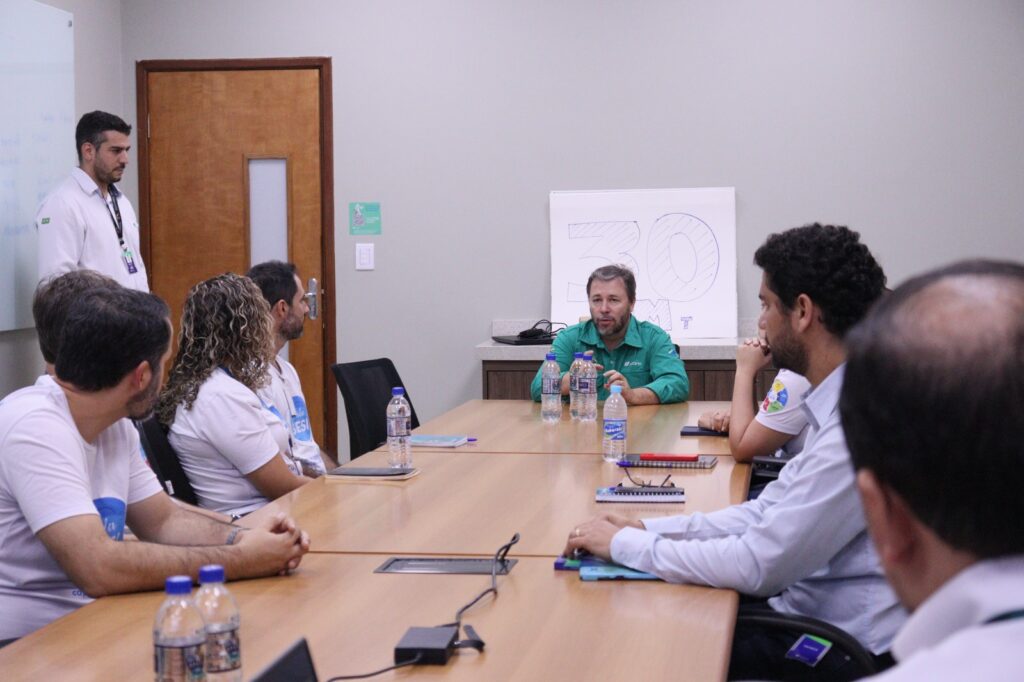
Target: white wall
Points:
(899, 119)
(98, 85)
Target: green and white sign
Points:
(364, 217)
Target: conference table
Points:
(544, 624)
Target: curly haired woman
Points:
(234, 450)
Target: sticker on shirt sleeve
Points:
(112, 512)
(777, 397)
(300, 420)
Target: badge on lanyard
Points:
(129, 260)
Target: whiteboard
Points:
(679, 243)
(37, 139)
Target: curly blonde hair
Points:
(226, 323)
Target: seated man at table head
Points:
(51, 302)
(803, 542)
(71, 477)
(932, 405)
(235, 450)
(639, 356)
(286, 297)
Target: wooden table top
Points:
(544, 625)
(467, 502)
(516, 426)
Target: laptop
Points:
(517, 340)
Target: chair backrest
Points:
(294, 665)
(164, 460)
(366, 388)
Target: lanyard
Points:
(115, 215)
(1006, 615)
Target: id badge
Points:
(129, 261)
(809, 649)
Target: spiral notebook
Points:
(701, 462)
(646, 493)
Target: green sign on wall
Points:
(364, 217)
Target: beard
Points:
(615, 329)
(788, 353)
(141, 405)
(292, 328)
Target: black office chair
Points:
(862, 661)
(366, 388)
(164, 460)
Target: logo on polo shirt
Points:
(777, 397)
(632, 363)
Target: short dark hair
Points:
(931, 402)
(609, 272)
(276, 280)
(92, 126)
(107, 333)
(52, 300)
(829, 264)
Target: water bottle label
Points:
(574, 383)
(551, 385)
(615, 429)
(179, 662)
(398, 426)
(223, 652)
(586, 385)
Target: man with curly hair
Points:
(802, 547)
(72, 478)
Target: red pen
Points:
(659, 457)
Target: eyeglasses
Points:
(667, 483)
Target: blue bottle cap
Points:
(577, 355)
(614, 389)
(214, 573)
(397, 390)
(550, 356)
(178, 584)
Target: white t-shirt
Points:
(227, 434)
(780, 410)
(76, 230)
(48, 473)
(283, 395)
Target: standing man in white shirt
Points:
(803, 543)
(86, 222)
(932, 409)
(286, 297)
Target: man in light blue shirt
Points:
(803, 543)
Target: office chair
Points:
(164, 460)
(366, 388)
(862, 661)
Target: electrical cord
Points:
(411, 661)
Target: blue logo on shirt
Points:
(300, 420)
(112, 513)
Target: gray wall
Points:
(99, 66)
(900, 119)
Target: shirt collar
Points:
(822, 400)
(89, 185)
(969, 598)
(591, 337)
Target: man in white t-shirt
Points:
(72, 478)
(286, 296)
(86, 222)
(932, 413)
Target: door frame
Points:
(327, 312)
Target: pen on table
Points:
(470, 439)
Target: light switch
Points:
(364, 256)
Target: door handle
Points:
(313, 297)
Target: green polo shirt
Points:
(646, 357)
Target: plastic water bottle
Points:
(587, 383)
(220, 613)
(551, 390)
(399, 425)
(574, 387)
(614, 445)
(179, 636)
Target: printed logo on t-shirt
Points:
(776, 399)
(300, 420)
(112, 512)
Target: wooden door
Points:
(200, 123)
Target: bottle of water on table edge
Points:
(614, 444)
(551, 390)
(220, 614)
(587, 383)
(574, 389)
(179, 635)
(399, 416)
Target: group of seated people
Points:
(900, 416)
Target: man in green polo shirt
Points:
(639, 356)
